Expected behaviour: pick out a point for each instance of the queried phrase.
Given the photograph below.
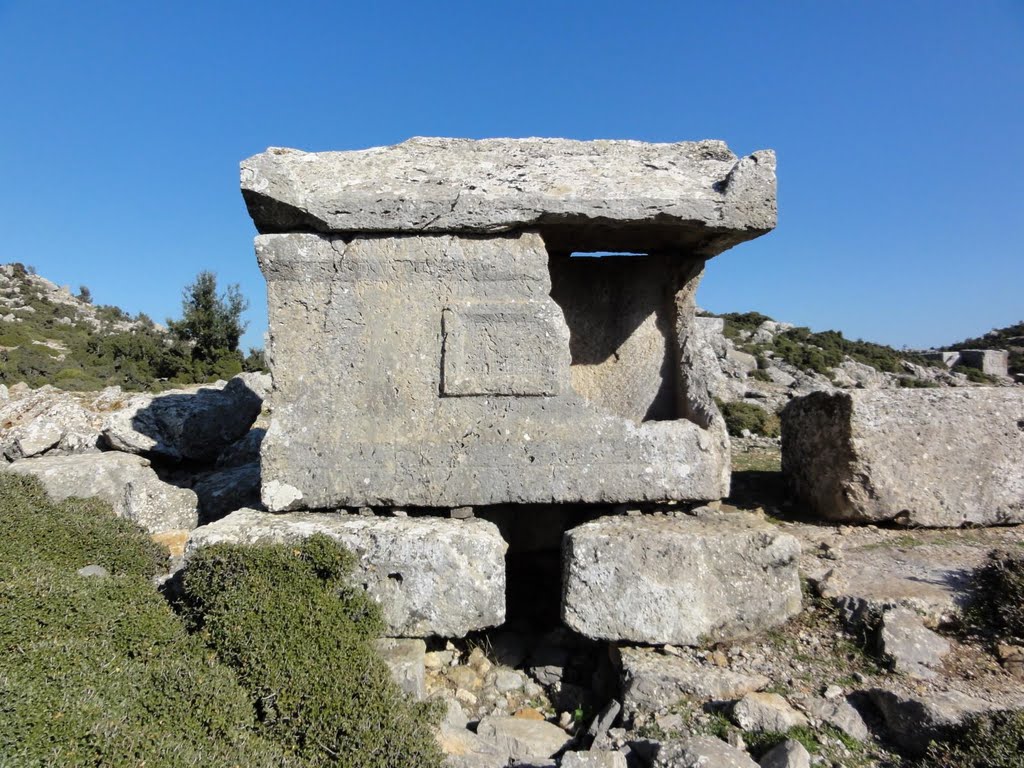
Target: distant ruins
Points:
(439, 337)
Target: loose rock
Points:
(767, 712)
(521, 739)
(184, 424)
(701, 752)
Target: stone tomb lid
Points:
(581, 195)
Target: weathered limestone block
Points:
(520, 739)
(435, 371)
(652, 195)
(194, 425)
(432, 576)
(434, 342)
(942, 457)
(682, 580)
(48, 421)
(126, 482)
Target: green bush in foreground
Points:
(300, 639)
(99, 671)
(69, 535)
(740, 416)
(986, 740)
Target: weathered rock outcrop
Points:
(943, 457)
(187, 425)
(678, 580)
(434, 343)
(126, 482)
(432, 576)
(48, 421)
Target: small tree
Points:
(211, 323)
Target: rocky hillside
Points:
(50, 336)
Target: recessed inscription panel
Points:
(499, 348)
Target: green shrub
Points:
(975, 375)
(986, 740)
(740, 416)
(99, 671)
(1001, 594)
(300, 639)
(736, 322)
(69, 535)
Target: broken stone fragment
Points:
(520, 739)
(839, 713)
(767, 712)
(921, 457)
(914, 719)
(909, 646)
(187, 425)
(404, 658)
(686, 580)
(431, 575)
(788, 754)
(701, 752)
(126, 482)
(652, 681)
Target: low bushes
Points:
(1001, 594)
(300, 640)
(986, 740)
(98, 670)
(740, 416)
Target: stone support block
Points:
(432, 576)
(680, 581)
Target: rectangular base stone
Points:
(942, 457)
(432, 576)
(680, 581)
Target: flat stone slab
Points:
(432, 576)
(124, 481)
(610, 194)
(683, 581)
(921, 457)
(933, 580)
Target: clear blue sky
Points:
(899, 128)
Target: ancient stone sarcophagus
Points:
(440, 337)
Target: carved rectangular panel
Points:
(499, 348)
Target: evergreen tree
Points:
(211, 324)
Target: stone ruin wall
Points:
(435, 343)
